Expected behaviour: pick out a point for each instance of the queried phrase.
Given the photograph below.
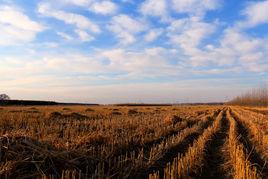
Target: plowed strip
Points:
(181, 148)
(214, 160)
(146, 146)
(254, 157)
(188, 164)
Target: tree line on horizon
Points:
(255, 97)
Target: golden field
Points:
(133, 142)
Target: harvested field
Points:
(133, 142)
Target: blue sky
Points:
(114, 51)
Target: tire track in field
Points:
(190, 124)
(173, 152)
(147, 145)
(254, 157)
(214, 155)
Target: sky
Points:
(120, 51)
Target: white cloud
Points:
(151, 62)
(236, 50)
(78, 20)
(256, 13)
(84, 3)
(103, 7)
(125, 28)
(153, 34)
(155, 8)
(188, 33)
(195, 7)
(84, 36)
(16, 27)
(240, 42)
(252, 57)
(248, 51)
(15, 17)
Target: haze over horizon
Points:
(121, 51)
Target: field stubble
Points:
(133, 142)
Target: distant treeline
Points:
(34, 103)
(255, 97)
(176, 104)
(25, 102)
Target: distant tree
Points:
(255, 97)
(4, 97)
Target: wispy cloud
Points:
(103, 7)
(16, 27)
(126, 28)
(82, 24)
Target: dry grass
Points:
(242, 168)
(183, 165)
(125, 142)
(258, 128)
